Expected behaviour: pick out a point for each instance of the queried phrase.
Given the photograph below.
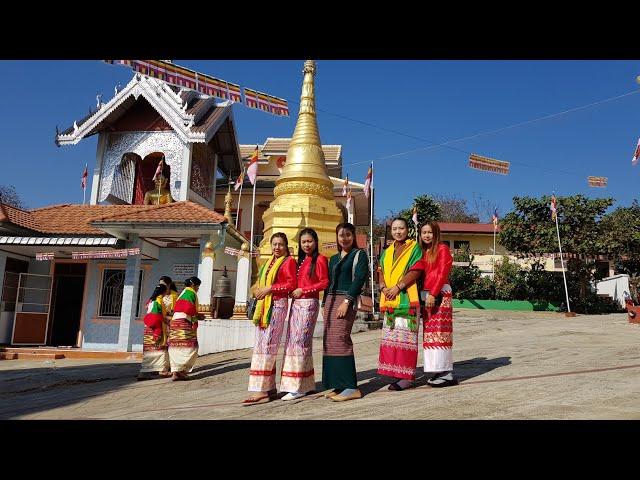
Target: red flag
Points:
(158, 170)
(553, 207)
(85, 174)
(252, 169)
(367, 182)
(239, 181)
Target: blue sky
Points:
(435, 101)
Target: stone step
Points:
(58, 353)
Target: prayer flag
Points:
(158, 170)
(488, 164)
(367, 182)
(495, 218)
(252, 169)
(597, 181)
(239, 181)
(85, 174)
(553, 207)
(414, 217)
(344, 187)
(636, 155)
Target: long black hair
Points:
(160, 289)
(283, 236)
(169, 283)
(314, 255)
(352, 229)
(191, 281)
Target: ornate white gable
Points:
(161, 97)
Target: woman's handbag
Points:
(364, 302)
(251, 307)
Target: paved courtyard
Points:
(512, 365)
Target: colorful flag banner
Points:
(597, 181)
(553, 207)
(184, 77)
(494, 219)
(125, 252)
(330, 245)
(488, 164)
(44, 256)
(367, 182)
(636, 155)
(348, 205)
(414, 217)
(252, 169)
(266, 103)
(344, 186)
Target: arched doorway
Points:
(145, 169)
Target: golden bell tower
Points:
(303, 192)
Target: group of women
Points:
(170, 345)
(413, 283)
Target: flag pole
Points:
(493, 268)
(373, 297)
(239, 198)
(253, 204)
(564, 277)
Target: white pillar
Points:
(97, 171)
(185, 165)
(205, 274)
(242, 282)
(129, 296)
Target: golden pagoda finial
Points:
(227, 204)
(305, 170)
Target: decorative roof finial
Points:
(75, 126)
(99, 101)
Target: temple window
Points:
(112, 290)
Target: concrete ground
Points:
(511, 365)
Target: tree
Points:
(455, 210)
(620, 239)
(529, 229)
(428, 210)
(9, 196)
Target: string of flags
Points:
(636, 154)
(123, 253)
(184, 77)
(235, 252)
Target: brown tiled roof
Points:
(17, 216)
(332, 153)
(467, 227)
(76, 219)
(183, 212)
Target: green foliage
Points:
(467, 282)
(428, 209)
(510, 281)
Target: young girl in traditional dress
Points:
(348, 271)
(313, 277)
(437, 313)
(155, 358)
(183, 338)
(172, 295)
(399, 302)
(276, 280)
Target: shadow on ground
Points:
(370, 381)
(31, 390)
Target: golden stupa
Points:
(303, 192)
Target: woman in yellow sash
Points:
(399, 302)
(276, 279)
